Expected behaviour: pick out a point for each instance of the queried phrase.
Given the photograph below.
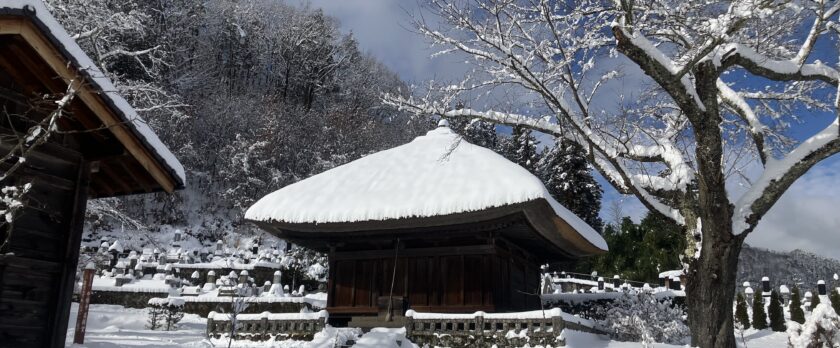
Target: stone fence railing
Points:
(264, 326)
(481, 329)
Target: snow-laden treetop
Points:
(433, 175)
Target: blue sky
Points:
(805, 218)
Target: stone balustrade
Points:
(264, 326)
(481, 329)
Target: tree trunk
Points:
(710, 288)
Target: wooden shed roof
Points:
(38, 57)
(433, 183)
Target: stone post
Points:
(600, 284)
(821, 287)
(210, 324)
(277, 276)
(243, 277)
(557, 327)
(675, 283)
(409, 326)
(616, 281)
(661, 281)
(765, 286)
(266, 286)
(132, 261)
(479, 329)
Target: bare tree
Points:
(724, 80)
(21, 144)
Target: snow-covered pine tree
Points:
(568, 178)
(478, 132)
(521, 148)
(741, 315)
(834, 297)
(815, 300)
(796, 312)
(777, 314)
(759, 319)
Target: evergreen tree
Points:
(521, 148)
(834, 297)
(476, 132)
(639, 251)
(759, 319)
(567, 176)
(741, 316)
(777, 314)
(815, 300)
(796, 312)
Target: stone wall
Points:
(127, 299)
(203, 308)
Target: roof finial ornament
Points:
(443, 123)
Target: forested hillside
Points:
(788, 268)
(250, 95)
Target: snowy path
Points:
(115, 326)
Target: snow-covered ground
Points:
(116, 326)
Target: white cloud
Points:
(807, 216)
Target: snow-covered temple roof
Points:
(95, 79)
(439, 174)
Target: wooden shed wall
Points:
(37, 268)
(433, 281)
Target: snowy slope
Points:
(436, 174)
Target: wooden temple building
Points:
(435, 225)
(102, 149)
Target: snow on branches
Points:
(21, 145)
(674, 144)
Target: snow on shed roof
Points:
(55, 31)
(433, 175)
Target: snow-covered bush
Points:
(641, 317)
(822, 329)
(155, 320)
(165, 313)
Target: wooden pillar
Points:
(64, 293)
